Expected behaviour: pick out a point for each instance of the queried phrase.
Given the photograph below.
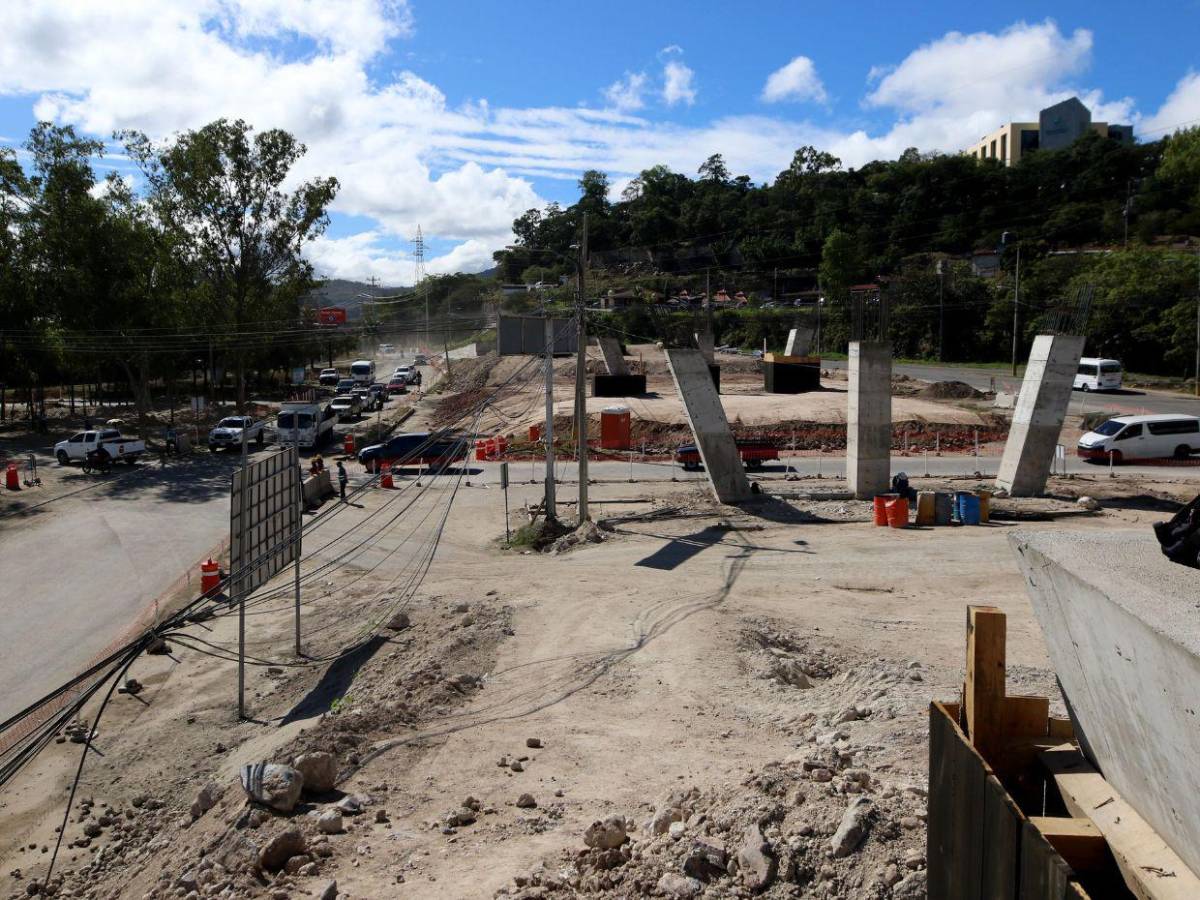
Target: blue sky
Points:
(458, 116)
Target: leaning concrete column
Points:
(869, 419)
(610, 348)
(799, 341)
(1038, 416)
(714, 440)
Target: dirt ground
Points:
(687, 700)
(731, 677)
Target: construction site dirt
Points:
(685, 700)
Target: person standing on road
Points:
(342, 479)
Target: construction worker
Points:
(342, 479)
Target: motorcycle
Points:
(97, 461)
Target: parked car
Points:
(379, 392)
(329, 377)
(1098, 375)
(108, 441)
(345, 386)
(307, 424)
(397, 385)
(416, 448)
(227, 434)
(753, 453)
(346, 406)
(1142, 437)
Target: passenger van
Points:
(1142, 437)
(362, 371)
(1096, 374)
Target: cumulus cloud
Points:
(627, 93)
(678, 79)
(798, 80)
(1180, 110)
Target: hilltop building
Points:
(1058, 126)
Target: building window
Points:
(1004, 148)
(993, 149)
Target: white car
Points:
(1126, 438)
(1096, 374)
(346, 406)
(109, 440)
(404, 372)
(227, 435)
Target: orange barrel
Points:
(614, 428)
(501, 444)
(385, 480)
(535, 433)
(12, 477)
(491, 447)
(210, 576)
(897, 512)
(926, 508)
(985, 505)
(348, 445)
(480, 450)
(881, 508)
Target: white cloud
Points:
(1181, 109)
(627, 93)
(798, 80)
(359, 257)
(677, 83)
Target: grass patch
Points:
(536, 535)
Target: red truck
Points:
(753, 454)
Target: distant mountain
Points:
(347, 294)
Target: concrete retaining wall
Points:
(1123, 633)
(317, 488)
(1039, 413)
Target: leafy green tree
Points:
(219, 194)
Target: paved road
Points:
(1123, 402)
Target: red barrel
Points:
(881, 501)
(348, 445)
(614, 428)
(12, 477)
(501, 445)
(535, 433)
(385, 480)
(491, 447)
(481, 450)
(897, 512)
(210, 576)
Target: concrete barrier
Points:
(317, 488)
(1123, 634)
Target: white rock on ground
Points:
(273, 785)
(853, 828)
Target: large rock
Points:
(273, 785)
(914, 887)
(206, 799)
(756, 861)
(707, 859)
(607, 834)
(319, 770)
(279, 849)
(856, 822)
(674, 885)
(330, 822)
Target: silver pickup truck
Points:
(228, 433)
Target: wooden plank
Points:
(1078, 841)
(1061, 728)
(1001, 824)
(1151, 869)
(1026, 716)
(983, 690)
(956, 799)
(1044, 874)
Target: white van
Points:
(362, 371)
(1142, 437)
(1096, 374)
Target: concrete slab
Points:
(799, 342)
(706, 416)
(610, 349)
(704, 340)
(1122, 632)
(1039, 413)
(869, 419)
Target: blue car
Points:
(416, 448)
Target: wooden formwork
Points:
(1015, 810)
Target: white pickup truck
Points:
(228, 433)
(77, 446)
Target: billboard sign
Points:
(264, 520)
(331, 315)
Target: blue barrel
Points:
(968, 507)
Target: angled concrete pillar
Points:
(1121, 631)
(706, 416)
(704, 340)
(610, 349)
(1038, 416)
(799, 342)
(869, 419)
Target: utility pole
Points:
(1197, 385)
(239, 581)
(299, 525)
(551, 512)
(1016, 311)
(941, 273)
(581, 374)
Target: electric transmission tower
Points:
(419, 275)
